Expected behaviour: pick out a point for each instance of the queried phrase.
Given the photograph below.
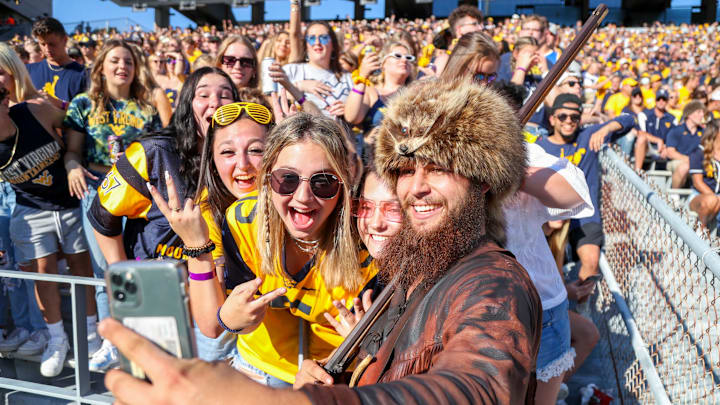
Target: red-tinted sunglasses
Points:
(391, 210)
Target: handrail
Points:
(699, 246)
(638, 344)
(57, 278)
(81, 392)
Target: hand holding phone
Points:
(150, 297)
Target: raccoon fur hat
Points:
(468, 129)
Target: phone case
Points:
(151, 298)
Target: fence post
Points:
(80, 348)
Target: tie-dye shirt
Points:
(125, 119)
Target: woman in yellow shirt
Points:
(290, 250)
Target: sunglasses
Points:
(322, 185)
(324, 39)
(227, 114)
(230, 61)
(573, 117)
(398, 55)
(391, 210)
(486, 78)
(572, 83)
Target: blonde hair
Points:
(267, 49)
(386, 50)
(11, 63)
(338, 247)
(255, 80)
(140, 90)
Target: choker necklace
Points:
(12, 154)
(52, 68)
(306, 246)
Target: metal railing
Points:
(81, 391)
(658, 306)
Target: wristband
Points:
(354, 90)
(301, 100)
(222, 324)
(199, 251)
(521, 69)
(64, 105)
(201, 276)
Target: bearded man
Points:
(464, 324)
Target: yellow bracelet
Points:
(360, 79)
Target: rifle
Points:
(346, 352)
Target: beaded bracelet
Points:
(198, 251)
(222, 324)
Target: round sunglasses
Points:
(391, 210)
(323, 185)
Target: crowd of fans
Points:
(90, 118)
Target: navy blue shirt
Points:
(579, 153)
(710, 172)
(683, 140)
(649, 122)
(63, 83)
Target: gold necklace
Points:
(52, 68)
(12, 154)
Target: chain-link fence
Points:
(662, 263)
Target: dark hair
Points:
(219, 198)
(464, 10)
(335, 54)
(46, 26)
(185, 130)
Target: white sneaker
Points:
(14, 340)
(35, 344)
(105, 358)
(94, 343)
(53, 358)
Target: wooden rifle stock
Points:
(346, 352)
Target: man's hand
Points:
(312, 372)
(598, 139)
(180, 382)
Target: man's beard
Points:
(424, 257)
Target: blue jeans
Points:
(19, 293)
(96, 257)
(240, 364)
(555, 355)
(626, 143)
(210, 349)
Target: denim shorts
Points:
(240, 364)
(39, 233)
(555, 356)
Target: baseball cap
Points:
(662, 94)
(568, 98)
(629, 81)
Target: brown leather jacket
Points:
(471, 339)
